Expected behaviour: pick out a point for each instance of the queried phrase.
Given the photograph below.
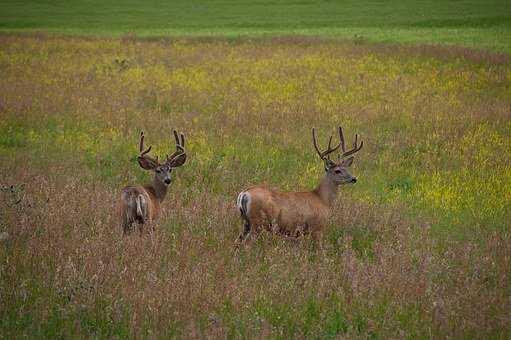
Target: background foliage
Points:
(419, 247)
(475, 23)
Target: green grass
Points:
(479, 24)
(420, 247)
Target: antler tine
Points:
(328, 151)
(180, 140)
(141, 145)
(176, 137)
(315, 142)
(180, 143)
(341, 138)
(356, 147)
(142, 152)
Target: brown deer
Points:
(295, 213)
(142, 204)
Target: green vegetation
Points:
(480, 24)
(419, 247)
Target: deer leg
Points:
(127, 223)
(317, 236)
(283, 231)
(246, 229)
(125, 228)
(244, 233)
(247, 226)
(299, 231)
(150, 225)
(128, 227)
(144, 225)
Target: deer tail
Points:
(141, 203)
(243, 204)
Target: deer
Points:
(293, 214)
(141, 204)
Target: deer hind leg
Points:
(251, 230)
(127, 223)
(244, 233)
(129, 220)
(126, 212)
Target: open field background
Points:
(419, 247)
(474, 23)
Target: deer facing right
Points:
(295, 213)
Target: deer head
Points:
(338, 172)
(163, 170)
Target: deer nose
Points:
(354, 180)
(167, 181)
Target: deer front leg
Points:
(317, 235)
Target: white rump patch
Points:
(243, 202)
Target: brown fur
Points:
(290, 213)
(151, 211)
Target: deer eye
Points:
(158, 171)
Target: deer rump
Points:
(136, 207)
(287, 213)
(136, 204)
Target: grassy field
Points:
(419, 247)
(473, 23)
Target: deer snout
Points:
(167, 181)
(354, 180)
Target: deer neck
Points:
(327, 191)
(158, 189)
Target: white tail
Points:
(141, 202)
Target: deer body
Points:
(290, 212)
(142, 204)
(296, 213)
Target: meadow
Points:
(419, 247)
(472, 23)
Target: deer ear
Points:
(347, 162)
(178, 160)
(147, 164)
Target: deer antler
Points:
(143, 153)
(324, 154)
(178, 158)
(355, 149)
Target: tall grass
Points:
(419, 247)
